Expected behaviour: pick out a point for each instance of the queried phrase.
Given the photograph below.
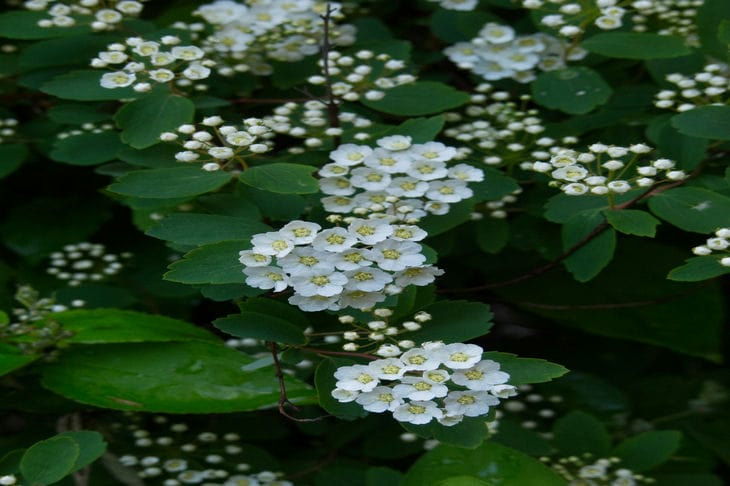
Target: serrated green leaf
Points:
(49, 461)
(120, 326)
(692, 209)
(490, 462)
(180, 377)
(91, 446)
(88, 148)
(648, 450)
(632, 45)
(454, 321)
(210, 264)
(324, 380)
(12, 156)
(632, 222)
(421, 130)
(711, 121)
(11, 359)
(84, 85)
(526, 370)
(144, 119)
(575, 90)
(202, 229)
(281, 178)
(578, 433)
(591, 258)
(172, 182)
(699, 268)
(419, 98)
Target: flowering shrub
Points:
(444, 242)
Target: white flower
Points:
(417, 388)
(503, 391)
(466, 172)
(334, 240)
(306, 261)
(117, 79)
(496, 33)
(433, 151)
(352, 259)
(419, 276)
(388, 369)
(187, 53)
(336, 186)
(619, 186)
(367, 279)
(575, 189)
(344, 396)
(221, 152)
(300, 232)
(196, 71)
(395, 142)
(252, 259)
(325, 284)
(359, 299)
(369, 179)
(161, 75)
(333, 170)
(272, 243)
(405, 232)
(356, 378)
(417, 413)
(459, 355)
(481, 376)
(369, 231)
(350, 154)
(379, 400)
(469, 403)
(387, 161)
(407, 187)
(266, 278)
(240, 139)
(418, 359)
(397, 255)
(449, 191)
(388, 350)
(570, 173)
(314, 303)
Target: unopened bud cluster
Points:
(446, 382)
(85, 128)
(498, 52)
(218, 145)
(599, 472)
(605, 170)
(8, 127)
(101, 15)
(717, 244)
(708, 87)
(379, 329)
(85, 262)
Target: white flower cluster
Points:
(246, 34)
(396, 181)
(363, 75)
(534, 411)
(309, 121)
(499, 53)
(446, 382)
(83, 262)
(708, 87)
(577, 173)
(34, 307)
(7, 128)
(463, 5)
(496, 208)
(580, 471)
(143, 62)
(674, 17)
(85, 128)
(378, 330)
(719, 243)
(336, 268)
(217, 144)
(101, 15)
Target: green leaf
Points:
(454, 26)
(419, 98)
(492, 234)
(699, 268)
(49, 460)
(709, 121)
(561, 207)
(12, 156)
(210, 264)
(10, 462)
(708, 21)
(180, 377)
(574, 90)
(468, 433)
(723, 32)
(91, 446)
(202, 229)
(76, 113)
(23, 24)
(495, 185)
(156, 157)
(512, 434)
(578, 433)
(686, 150)
(421, 130)
(591, 258)
(120, 326)
(84, 85)
(454, 321)
(692, 209)
(11, 359)
(383, 476)
(492, 463)
(169, 182)
(525, 370)
(648, 450)
(72, 50)
(87, 148)
(630, 45)
(262, 325)
(143, 120)
(324, 381)
(632, 222)
(281, 178)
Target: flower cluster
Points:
(99, 14)
(499, 53)
(396, 181)
(496, 208)
(7, 128)
(463, 5)
(379, 329)
(534, 411)
(144, 62)
(338, 267)
(309, 121)
(186, 455)
(218, 145)
(704, 88)
(600, 472)
(719, 243)
(365, 74)
(245, 35)
(83, 262)
(674, 17)
(604, 170)
(85, 128)
(446, 382)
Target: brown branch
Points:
(283, 399)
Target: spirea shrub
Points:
(431, 243)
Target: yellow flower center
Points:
(391, 254)
(466, 400)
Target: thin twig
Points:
(283, 399)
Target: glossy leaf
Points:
(84, 85)
(418, 99)
(574, 90)
(91, 446)
(454, 321)
(526, 370)
(632, 222)
(648, 450)
(210, 264)
(87, 148)
(11, 359)
(587, 262)
(181, 377)
(257, 325)
(202, 229)
(50, 460)
(143, 120)
(281, 178)
(708, 121)
(699, 268)
(631, 45)
(692, 209)
(170, 182)
(12, 156)
(23, 24)
(578, 433)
